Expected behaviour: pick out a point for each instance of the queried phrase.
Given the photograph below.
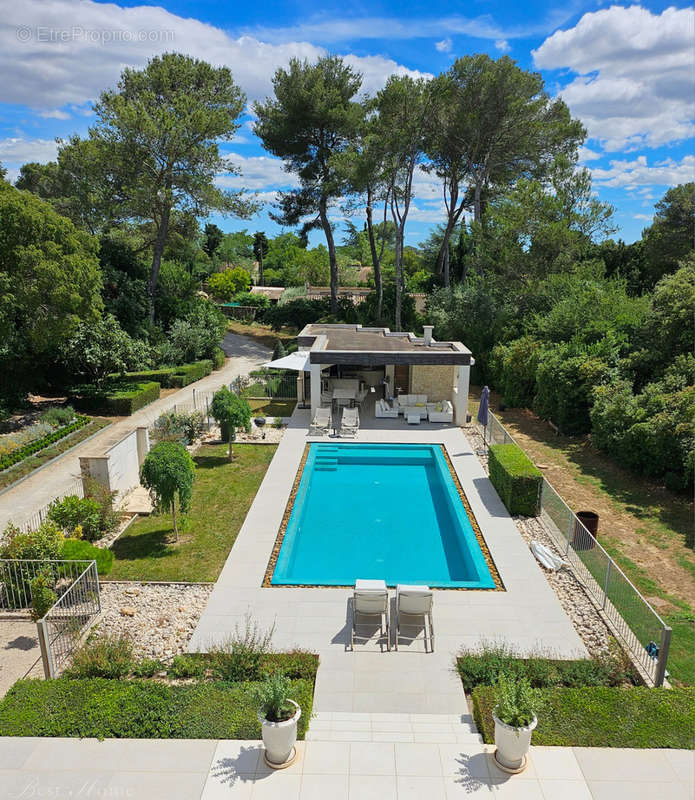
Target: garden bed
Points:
(139, 709)
(602, 716)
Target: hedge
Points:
(79, 550)
(516, 479)
(138, 709)
(602, 717)
(189, 373)
(123, 399)
(218, 358)
(33, 447)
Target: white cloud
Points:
(631, 174)
(56, 52)
(587, 154)
(634, 74)
(257, 172)
(444, 46)
(19, 151)
(56, 113)
(502, 45)
(647, 217)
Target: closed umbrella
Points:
(484, 408)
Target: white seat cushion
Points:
(366, 585)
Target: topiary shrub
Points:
(77, 550)
(517, 481)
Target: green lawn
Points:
(272, 408)
(222, 495)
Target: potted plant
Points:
(515, 721)
(278, 716)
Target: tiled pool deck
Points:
(184, 769)
(526, 615)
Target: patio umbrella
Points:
(484, 407)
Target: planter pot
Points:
(279, 739)
(512, 744)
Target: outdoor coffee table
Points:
(413, 417)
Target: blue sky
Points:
(625, 71)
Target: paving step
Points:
(423, 728)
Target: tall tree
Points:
(213, 236)
(157, 142)
(402, 106)
(362, 164)
(491, 123)
(671, 236)
(312, 118)
(260, 251)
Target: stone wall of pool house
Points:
(437, 382)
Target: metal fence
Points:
(272, 384)
(16, 575)
(632, 618)
(61, 629)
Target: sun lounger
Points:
(370, 604)
(413, 603)
(350, 422)
(321, 423)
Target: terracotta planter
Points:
(512, 744)
(279, 739)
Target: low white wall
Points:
(118, 467)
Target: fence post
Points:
(605, 585)
(207, 409)
(96, 578)
(570, 527)
(46, 655)
(194, 406)
(663, 656)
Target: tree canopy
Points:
(168, 471)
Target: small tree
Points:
(228, 283)
(167, 471)
(231, 411)
(279, 350)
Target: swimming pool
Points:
(379, 511)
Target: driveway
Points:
(20, 502)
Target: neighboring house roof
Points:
(353, 344)
(271, 292)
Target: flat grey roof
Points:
(353, 344)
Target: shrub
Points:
(195, 336)
(241, 657)
(184, 428)
(109, 516)
(272, 696)
(231, 411)
(46, 542)
(483, 668)
(513, 367)
(250, 299)
(162, 376)
(168, 471)
(186, 666)
(74, 512)
(42, 595)
(601, 716)
(297, 313)
(129, 398)
(77, 550)
(517, 481)
(58, 415)
(101, 708)
(296, 664)
(147, 668)
(102, 657)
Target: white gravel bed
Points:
(586, 619)
(158, 618)
(268, 434)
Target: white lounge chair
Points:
(413, 602)
(350, 422)
(370, 603)
(382, 409)
(321, 424)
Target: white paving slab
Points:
(527, 615)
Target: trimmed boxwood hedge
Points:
(138, 709)
(602, 716)
(516, 479)
(174, 377)
(51, 438)
(122, 399)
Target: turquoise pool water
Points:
(379, 511)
